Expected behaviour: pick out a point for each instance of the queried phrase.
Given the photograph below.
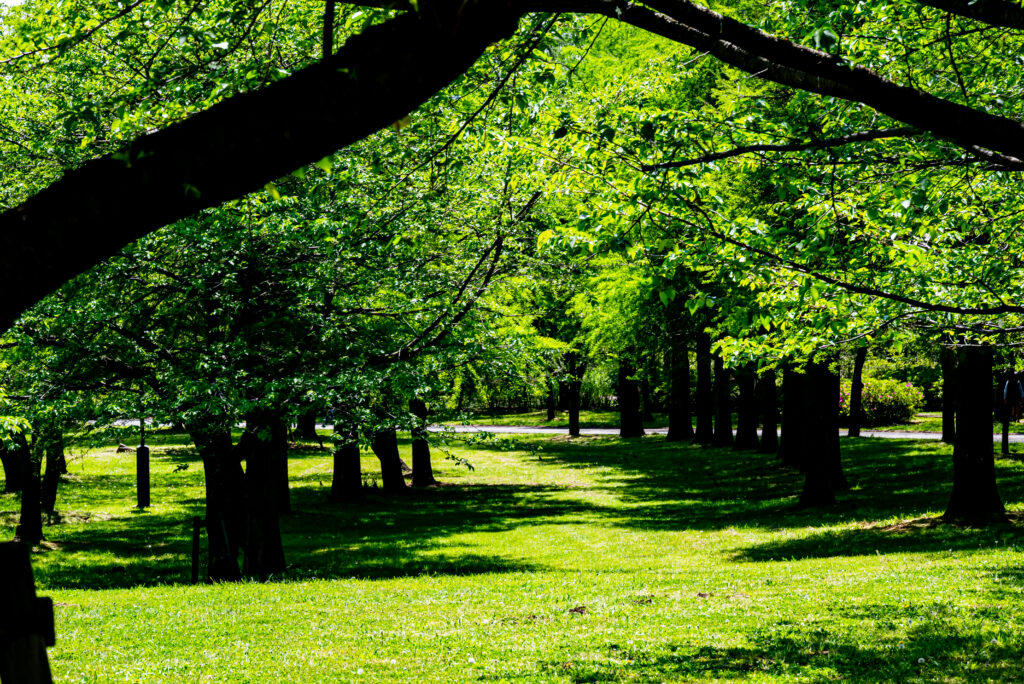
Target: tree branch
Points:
(791, 147)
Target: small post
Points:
(142, 467)
(197, 525)
(26, 621)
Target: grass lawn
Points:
(590, 560)
(932, 422)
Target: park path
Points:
(531, 430)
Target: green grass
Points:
(932, 422)
(588, 419)
(591, 560)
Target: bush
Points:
(885, 402)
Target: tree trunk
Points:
(225, 500)
(305, 427)
(791, 440)
(679, 426)
(53, 450)
(264, 552)
(830, 425)
(857, 392)
(631, 422)
(746, 408)
(723, 405)
(647, 400)
(1005, 394)
(385, 447)
(576, 371)
(347, 480)
(279, 459)
(705, 400)
(30, 523)
(947, 359)
(422, 471)
(770, 410)
(975, 497)
(12, 465)
(550, 401)
(815, 444)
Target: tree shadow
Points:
(931, 649)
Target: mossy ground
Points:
(587, 560)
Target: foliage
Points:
(884, 402)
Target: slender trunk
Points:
(550, 401)
(947, 359)
(422, 471)
(30, 522)
(975, 497)
(385, 447)
(770, 410)
(705, 400)
(746, 408)
(723, 406)
(53, 450)
(816, 459)
(679, 426)
(1006, 393)
(857, 392)
(225, 500)
(576, 371)
(264, 552)
(630, 419)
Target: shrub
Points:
(885, 402)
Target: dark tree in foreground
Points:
(975, 497)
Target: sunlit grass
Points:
(588, 560)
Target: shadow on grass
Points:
(660, 486)
(671, 487)
(934, 649)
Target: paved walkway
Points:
(530, 430)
